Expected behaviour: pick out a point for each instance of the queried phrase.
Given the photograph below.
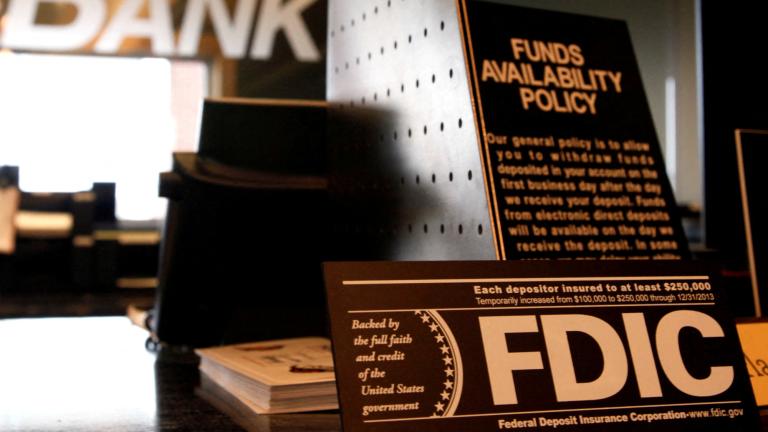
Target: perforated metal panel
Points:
(406, 171)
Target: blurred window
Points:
(69, 121)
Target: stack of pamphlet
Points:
(278, 376)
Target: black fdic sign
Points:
(533, 346)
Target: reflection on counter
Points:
(86, 374)
(75, 372)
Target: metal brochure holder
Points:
(407, 177)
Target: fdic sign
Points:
(242, 29)
(576, 346)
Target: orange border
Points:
(493, 207)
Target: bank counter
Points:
(95, 374)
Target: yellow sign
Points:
(754, 343)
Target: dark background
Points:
(735, 93)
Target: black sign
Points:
(751, 151)
(572, 163)
(536, 345)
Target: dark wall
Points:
(735, 88)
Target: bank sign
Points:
(235, 29)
